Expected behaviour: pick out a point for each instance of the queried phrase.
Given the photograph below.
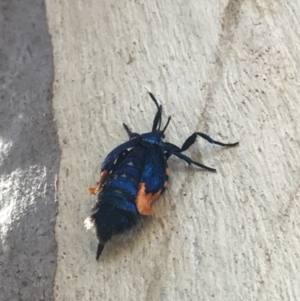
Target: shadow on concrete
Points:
(29, 153)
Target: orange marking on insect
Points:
(168, 171)
(96, 189)
(144, 200)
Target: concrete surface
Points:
(227, 68)
(29, 153)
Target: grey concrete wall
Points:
(29, 153)
(227, 68)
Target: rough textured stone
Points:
(227, 68)
(29, 154)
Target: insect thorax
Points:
(152, 139)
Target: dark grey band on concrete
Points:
(29, 153)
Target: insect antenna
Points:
(157, 119)
(165, 127)
(153, 98)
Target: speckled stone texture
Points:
(29, 154)
(227, 68)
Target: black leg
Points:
(191, 140)
(190, 161)
(130, 134)
(171, 147)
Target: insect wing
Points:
(154, 180)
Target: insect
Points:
(133, 176)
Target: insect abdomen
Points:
(116, 209)
(124, 179)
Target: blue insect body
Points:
(133, 176)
